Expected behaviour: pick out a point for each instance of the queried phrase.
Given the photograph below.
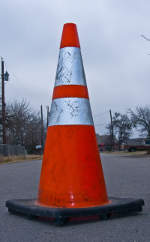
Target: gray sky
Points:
(115, 57)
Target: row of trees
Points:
(122, 125)
(23, 125)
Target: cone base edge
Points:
(117, 208)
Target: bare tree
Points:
(141, 120)
(23, 125)
(33, 132)
(122, 126)
(144, 37)
(17, 117)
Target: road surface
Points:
(124, 176)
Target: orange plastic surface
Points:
(70, 91)
(69, 36)
(71, 175)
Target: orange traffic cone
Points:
(72, 181)
(71, 174)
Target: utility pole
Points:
(3, 102)
(42, 130)
(47, 107)
(112, 130)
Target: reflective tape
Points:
(70, 70)
(70, 111)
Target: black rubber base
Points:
(117, 207)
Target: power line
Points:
(100, 114)
(100, 124)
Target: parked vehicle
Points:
(138, 144)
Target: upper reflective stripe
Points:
(70, 91)
(70, 111)
(70, 69)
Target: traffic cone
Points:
(72, 181)
(71, 173)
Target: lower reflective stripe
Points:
(70, 111)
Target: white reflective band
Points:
(70, 70)
(70, 111)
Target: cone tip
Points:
(69, 36)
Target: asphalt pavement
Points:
(124, 176)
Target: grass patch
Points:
(7, 159)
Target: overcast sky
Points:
(115, 57)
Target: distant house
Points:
(104, 142)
